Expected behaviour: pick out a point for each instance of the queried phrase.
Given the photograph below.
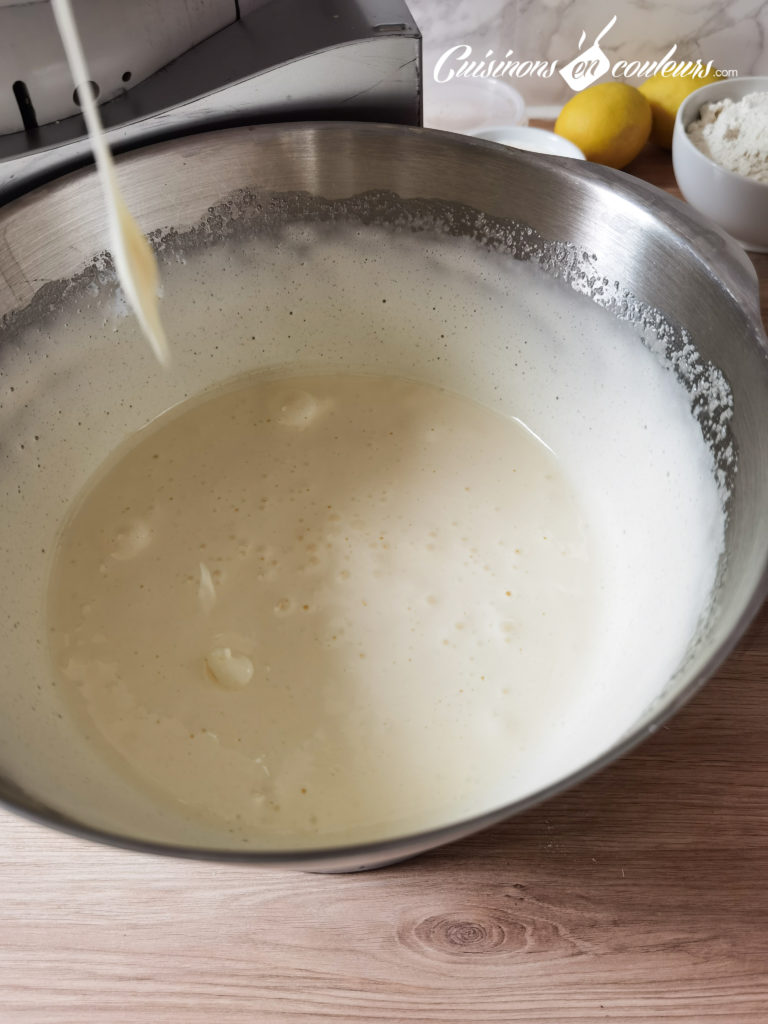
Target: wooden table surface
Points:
(640, 896)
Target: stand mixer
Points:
(164, 68)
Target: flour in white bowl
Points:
(735, 134)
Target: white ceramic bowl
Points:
(734, 202)
(536, 140)
(469, 105)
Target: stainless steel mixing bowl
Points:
(627, 244)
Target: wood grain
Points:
(639, 896)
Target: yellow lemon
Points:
(609, 122)
(665, 93)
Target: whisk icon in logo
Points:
(587, 67)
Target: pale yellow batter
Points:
(337, 606)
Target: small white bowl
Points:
(735, 203)
(469, 105)
(537, 140)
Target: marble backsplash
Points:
(732, 33)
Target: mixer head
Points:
(163, 68)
